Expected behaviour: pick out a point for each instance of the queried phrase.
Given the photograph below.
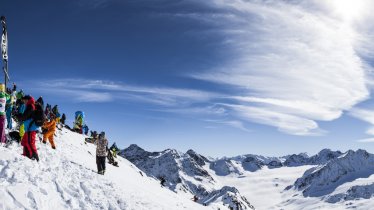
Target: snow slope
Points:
(264, 187)
(266, 190)
(66, 178)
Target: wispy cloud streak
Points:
(364, 115)
(103, 91)
(295, 63)
(232, 123)
(368, 140)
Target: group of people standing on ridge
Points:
(32, 118)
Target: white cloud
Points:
(364, 115)
(368, 140)
(286, 123)
(370, 131)
(80, 95)
(87, 96)
(293, 63)
(85, 90)
(232, 123)
(214, 110)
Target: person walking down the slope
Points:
(30, 126)
(49, 131)
(63, 118)
(162, 181)
(195, 198)
(3, 99)
(101, 153)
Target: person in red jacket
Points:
(28, 140)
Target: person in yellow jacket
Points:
(21, 130)
(21, 110)
(49, 129)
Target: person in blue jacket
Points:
(85, 130)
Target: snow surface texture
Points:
(66, 178)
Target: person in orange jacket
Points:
(49, 131)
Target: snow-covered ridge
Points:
(185, 173)
(324, 179)
(354, 193)
(168, 164)
(252, 163)
(230, 196)
(66, 178)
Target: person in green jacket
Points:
(20, 95)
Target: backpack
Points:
(38, 115)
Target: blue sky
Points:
(221, 77)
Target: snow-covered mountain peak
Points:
(360, 153)
(199, 159)
(135, 150)
(324, 179)
(324, 156)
